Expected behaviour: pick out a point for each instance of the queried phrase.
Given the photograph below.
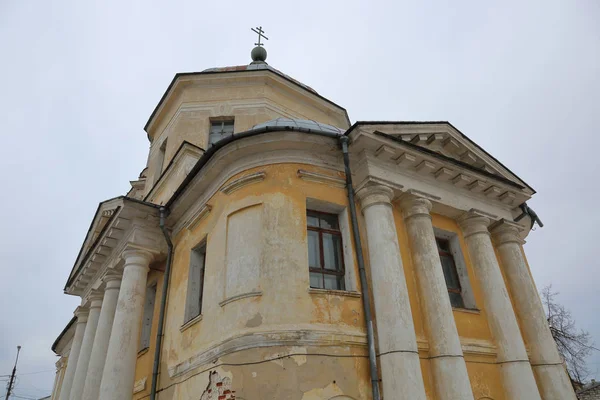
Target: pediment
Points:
(116, 223)
(444, 139)
(105, 211)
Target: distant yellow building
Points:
(273, 250)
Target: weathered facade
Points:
(264, 298)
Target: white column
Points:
(119, 369)
(91, 389)
(519, 382)
(545, 360)
(451, 379)
(81, 314)
(95, 300)
(398, 354)
(60, 369)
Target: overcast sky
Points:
(79, 80)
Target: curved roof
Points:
(289, 123)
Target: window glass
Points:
(332, 251)
(456, 300)
(450, 273)
(449, 268)
(312, 220)
(220, 130)
(314, 254)
(316, 280)
(329, 221)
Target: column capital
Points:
(112, 279)
(473, 222)
(412, 205)
(374, 194)
(82, 314)
(505, 231)
(95, 298)
(134, 255)
(60, 363)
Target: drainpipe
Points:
(163, 303)
(532, 215)
(363, 276)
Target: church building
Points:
(271, 249)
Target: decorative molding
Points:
(296, 336)
(108, 213)
(197, 218)
(424, 195)
(230, 161)
(474, 347)
(139, 385)
(240, 296)
(372, 180)
(331, 292)
(321, 178)
(246, 180)
(191, 322)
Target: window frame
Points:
(456, 250)
(339, 273)
(454, 271)
(222, 121)
(199, 299)
(148, 312)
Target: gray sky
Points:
(79, 80)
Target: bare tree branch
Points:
(573, 345)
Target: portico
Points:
(110, 274)
(482, 202)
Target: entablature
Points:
(132, 224)
(453, 187)
(444, 139)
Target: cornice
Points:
(135, 224)
(243, 181)
(184, 79)
(252, 152)
(321, 178)
(298, 336)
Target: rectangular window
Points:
(160, 160)
(193, 304)
(325, 256)
(147, 317)
(450, 272)
(220, 130)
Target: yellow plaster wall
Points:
(287, 304)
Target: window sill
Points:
(346, 293)
(239, 297)
(467, 310)
(143, 351)
(191, 322)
